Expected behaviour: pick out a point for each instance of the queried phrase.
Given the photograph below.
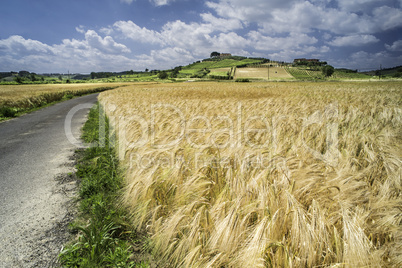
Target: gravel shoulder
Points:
(37, 185)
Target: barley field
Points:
(16, 100)
(263, 174)
(15, 93)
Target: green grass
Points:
(219, 64)
(342, 74)
(298, 73)
(197, 69)
(105, 238)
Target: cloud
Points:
(106, 30)
(92, 53)
(155, 2)
(220, 24)
(396, 46)
(363, 60)
(277, 29)
(161, 2)
(353, 40)
(191, 36)
(127, 1)
(132, 31)
(279, 16)
(362, 5)
(80, 29)
(387, 17)
(268, 43)
(18, 46)
(248, 11)
(106, 45)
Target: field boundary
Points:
(104, 236)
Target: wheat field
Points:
(263, 174)
(16, 93)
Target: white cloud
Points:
(106, 45)
(306, 17)
(268, 43)
(161, 2)
(127, 1)
(106, 30)
(278, 29)
(361, 5)
(18, 46)
(131, 30)
(80, 29)
(229, 42)
(396, 46)
(248, 11)
(93, 53)
(387, 17)
(277, 16)
(193, 36)
(363, 60)
(220, 24)
(353, 40)
(202, 38)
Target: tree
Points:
(328, 70)
(18, 79)
(174, 73)
(162, 75)
(215, 54)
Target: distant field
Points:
(19, 99)
(13, 93)
(262, 73)
(219, 64)
(220, 71)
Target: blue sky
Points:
(117, 35)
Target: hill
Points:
(214, 68)
(395, 72)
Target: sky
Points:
(82, 36)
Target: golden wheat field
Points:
(15, 93)
(263, 174)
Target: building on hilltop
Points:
(225, 55)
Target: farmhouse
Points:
(225, 55)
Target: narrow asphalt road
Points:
(35, 156)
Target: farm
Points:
(263, 174)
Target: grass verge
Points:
(104, 238)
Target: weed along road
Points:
(36, 159)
